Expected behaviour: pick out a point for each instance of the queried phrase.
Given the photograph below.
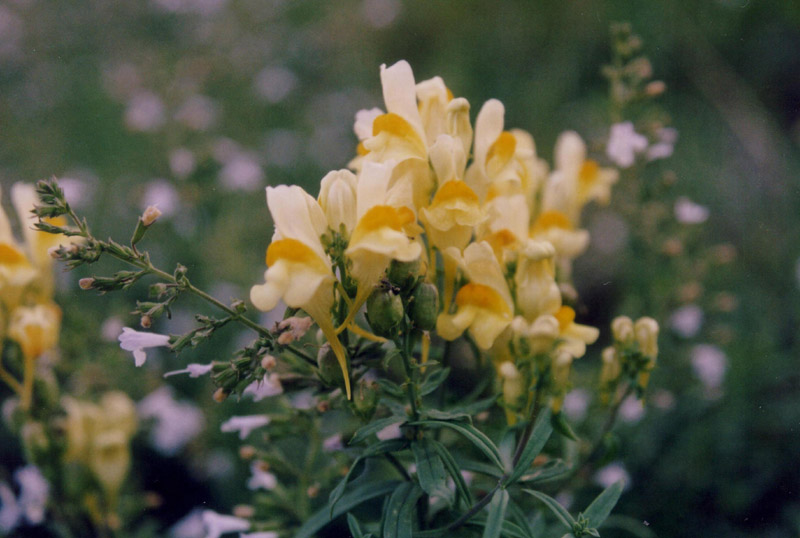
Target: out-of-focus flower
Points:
(194, 370)
(392, 431)
(189, 526)
(688, 212)
(176, 423)
(182, 162)
(576, 403)
(138, 341)
(34, 493)
(242, 173)
(218, 524)
(244, 424)
(9, 509)
(145, 112)
(380, 13)
(687, 320)
(709, 364)
(274, 84)
(260, 389)
(198, 112)
(333, 443)
(663, 148)
(632, 410)
(161, 193)
(611, 474)
(624, 143)
(35, 328)
(261, 479)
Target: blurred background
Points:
(197, 105)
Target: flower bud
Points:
(146, 322)
(268, 362)
(646, 330)
(611, 366)
(150, 215)
(384, 312)
(622, 329)
(366, 398)
(337, 196)
(247, 452)
(86, 283)
(513, 388)
(220, 395)
(403, 274)
(424, 306)
(329, 369)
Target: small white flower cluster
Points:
(30, 506)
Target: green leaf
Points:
(539, 436)
(355, 528)
(517, 514)
(497, 514)
(472, 434)
(561, 425)
(634, 526)
(509, 529)
(551, 470)
(373, 427)
(601, 507)
(476, 407)
(433, 381)
(353, 498)
(390, 445)
(480, 467)
(391, 387)
(454, 471)
(398, 518)
(560, 512)
(430, 470)
(447, 415)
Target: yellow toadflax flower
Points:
(337, 196)
(385, 231)
(299, 271)
(484, 304)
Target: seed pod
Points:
(329, 369)
(384, 312)
(403, 274)
(424, 306)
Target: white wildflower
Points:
(687, 320)
(189, 526)
(332, 443)
(137, 341)
(260, 478)
(624, 143)
(611, 474)
(576, 403)
(218, 524)
(34, 491)
(688, 212)
(176, 423)
(9, 509)
(709, 364)
(269, 386)
(244, 424)
(667, 136)
(631, 410)
(194, 370)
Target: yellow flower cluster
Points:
(98, 436)
(493, 227)
(28, 315)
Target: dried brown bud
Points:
(150, 215)
(655, 88)
(86, 283)
(323, 406)
(312, 491)
(220, 395)
(244, 511)
(146, 322)
(268, 362)
(247, 452)
(263, 466)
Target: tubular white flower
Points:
(261, 479)
(624, 143)
(244, 424)
(269, 386)
(218, 524)
(138, 341)
(194, 370)
(34, 492)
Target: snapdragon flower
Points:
(138, 341)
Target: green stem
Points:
(405, 353)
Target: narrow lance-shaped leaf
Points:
(472, 434)
(398, 520)
(430, 470)
(539, 436)
(373, 427)
(601, 507)
(561, 513)
(390, 445)
(497, 514)
(454, 471)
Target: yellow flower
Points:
(484, 304)
(299, 271)
(574, 337)
(35, 328)
(337, 196)
(556, 228)
(506, 227)
(576, 179)
(536, 288)
(505, 161)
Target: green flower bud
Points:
(403, 274)
(384, 312)
(329, 369)
(424, 306)
(366, 398)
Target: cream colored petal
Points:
(400, 95)
(458, 124)
(387, 242)
(432, 97)
(373, 183)
(24, 198)
(447, 158)
(488, 126)
(363, 124)
(483, 268)
(297, 215)
(337, 196)
(6, 234)
(417, 175)
(487, 327)
(265, 296)
(509, 213)
(451, 326)
(570, 152)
